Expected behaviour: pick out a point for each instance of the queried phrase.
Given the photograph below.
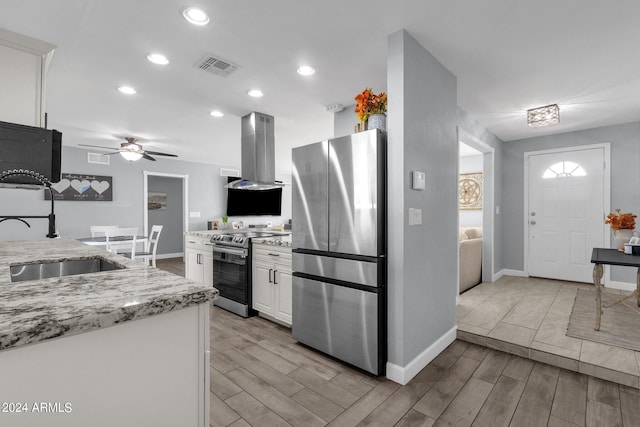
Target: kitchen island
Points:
(126, 346)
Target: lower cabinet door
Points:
(284, 295)
(207, 266)
(262, 293)
(193, 268)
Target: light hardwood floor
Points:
(261, 377)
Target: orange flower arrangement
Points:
(621, 221)
(369, 103)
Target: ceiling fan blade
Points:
(157, 153)
(97, 146)
(148, 157)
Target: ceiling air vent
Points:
(216, 65)
(98, 159)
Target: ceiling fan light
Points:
(132, 156)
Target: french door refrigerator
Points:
(339, 248)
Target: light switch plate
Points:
(418, 180)
(194, 214)
(415, 216)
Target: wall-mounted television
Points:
(253, 202)
(29, 148)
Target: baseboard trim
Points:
(497, 276)
(515, 273)
(625, 286)
(167, 256)
(402, 375)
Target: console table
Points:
(602, 256)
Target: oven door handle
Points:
(240, 252)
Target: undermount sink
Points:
(45, 270)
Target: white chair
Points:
(122, 241)
(100, 230)
(151, 246)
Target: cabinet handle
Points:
(198, 261)
(272, 254)
(270, 271)
(274, 277)
(191, 241)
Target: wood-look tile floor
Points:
(261, 377)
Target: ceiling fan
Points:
(131, 150)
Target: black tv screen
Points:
(29, 148)
(253, 202)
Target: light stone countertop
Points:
(284, 241)
(36, 310)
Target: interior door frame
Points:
(606, 177)
(185, 198)
(488, 202)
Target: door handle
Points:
(270, 271)
(274, 277)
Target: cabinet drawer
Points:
(199, 243)
(272, 254)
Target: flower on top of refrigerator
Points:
(368, 103)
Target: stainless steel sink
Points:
(45, 270)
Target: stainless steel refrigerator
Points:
(339, 248)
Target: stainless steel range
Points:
(232, 269)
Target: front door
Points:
(566, 213)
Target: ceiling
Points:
(508, 56)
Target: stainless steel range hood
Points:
(258, 154)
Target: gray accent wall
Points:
(206, 196)
(422, 276)
(171, 218)
(625, 182)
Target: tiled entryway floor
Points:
(529, 317)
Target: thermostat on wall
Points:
(418, 180)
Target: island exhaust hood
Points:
(258, 154)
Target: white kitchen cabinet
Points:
(271, 282)
(199, 259)
(22, 78)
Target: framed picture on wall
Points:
(470, 191)
(157, 201)
(82, 188)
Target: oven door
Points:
(231, 273)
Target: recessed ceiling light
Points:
(127, 90)
(306, 70)
(217, 113)
(158, 58)
(256, 93)
(195, 16)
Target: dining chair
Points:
(99, 230)
(151, 247)
(122, 241)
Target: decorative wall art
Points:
(470, 191)
(157, 201)
(83, 188)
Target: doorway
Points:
(166, 203)
(488, 201)
(566, 195)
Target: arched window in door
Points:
(564, 170)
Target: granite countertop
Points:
(202, 233)
(37, 310)
(284, 241)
